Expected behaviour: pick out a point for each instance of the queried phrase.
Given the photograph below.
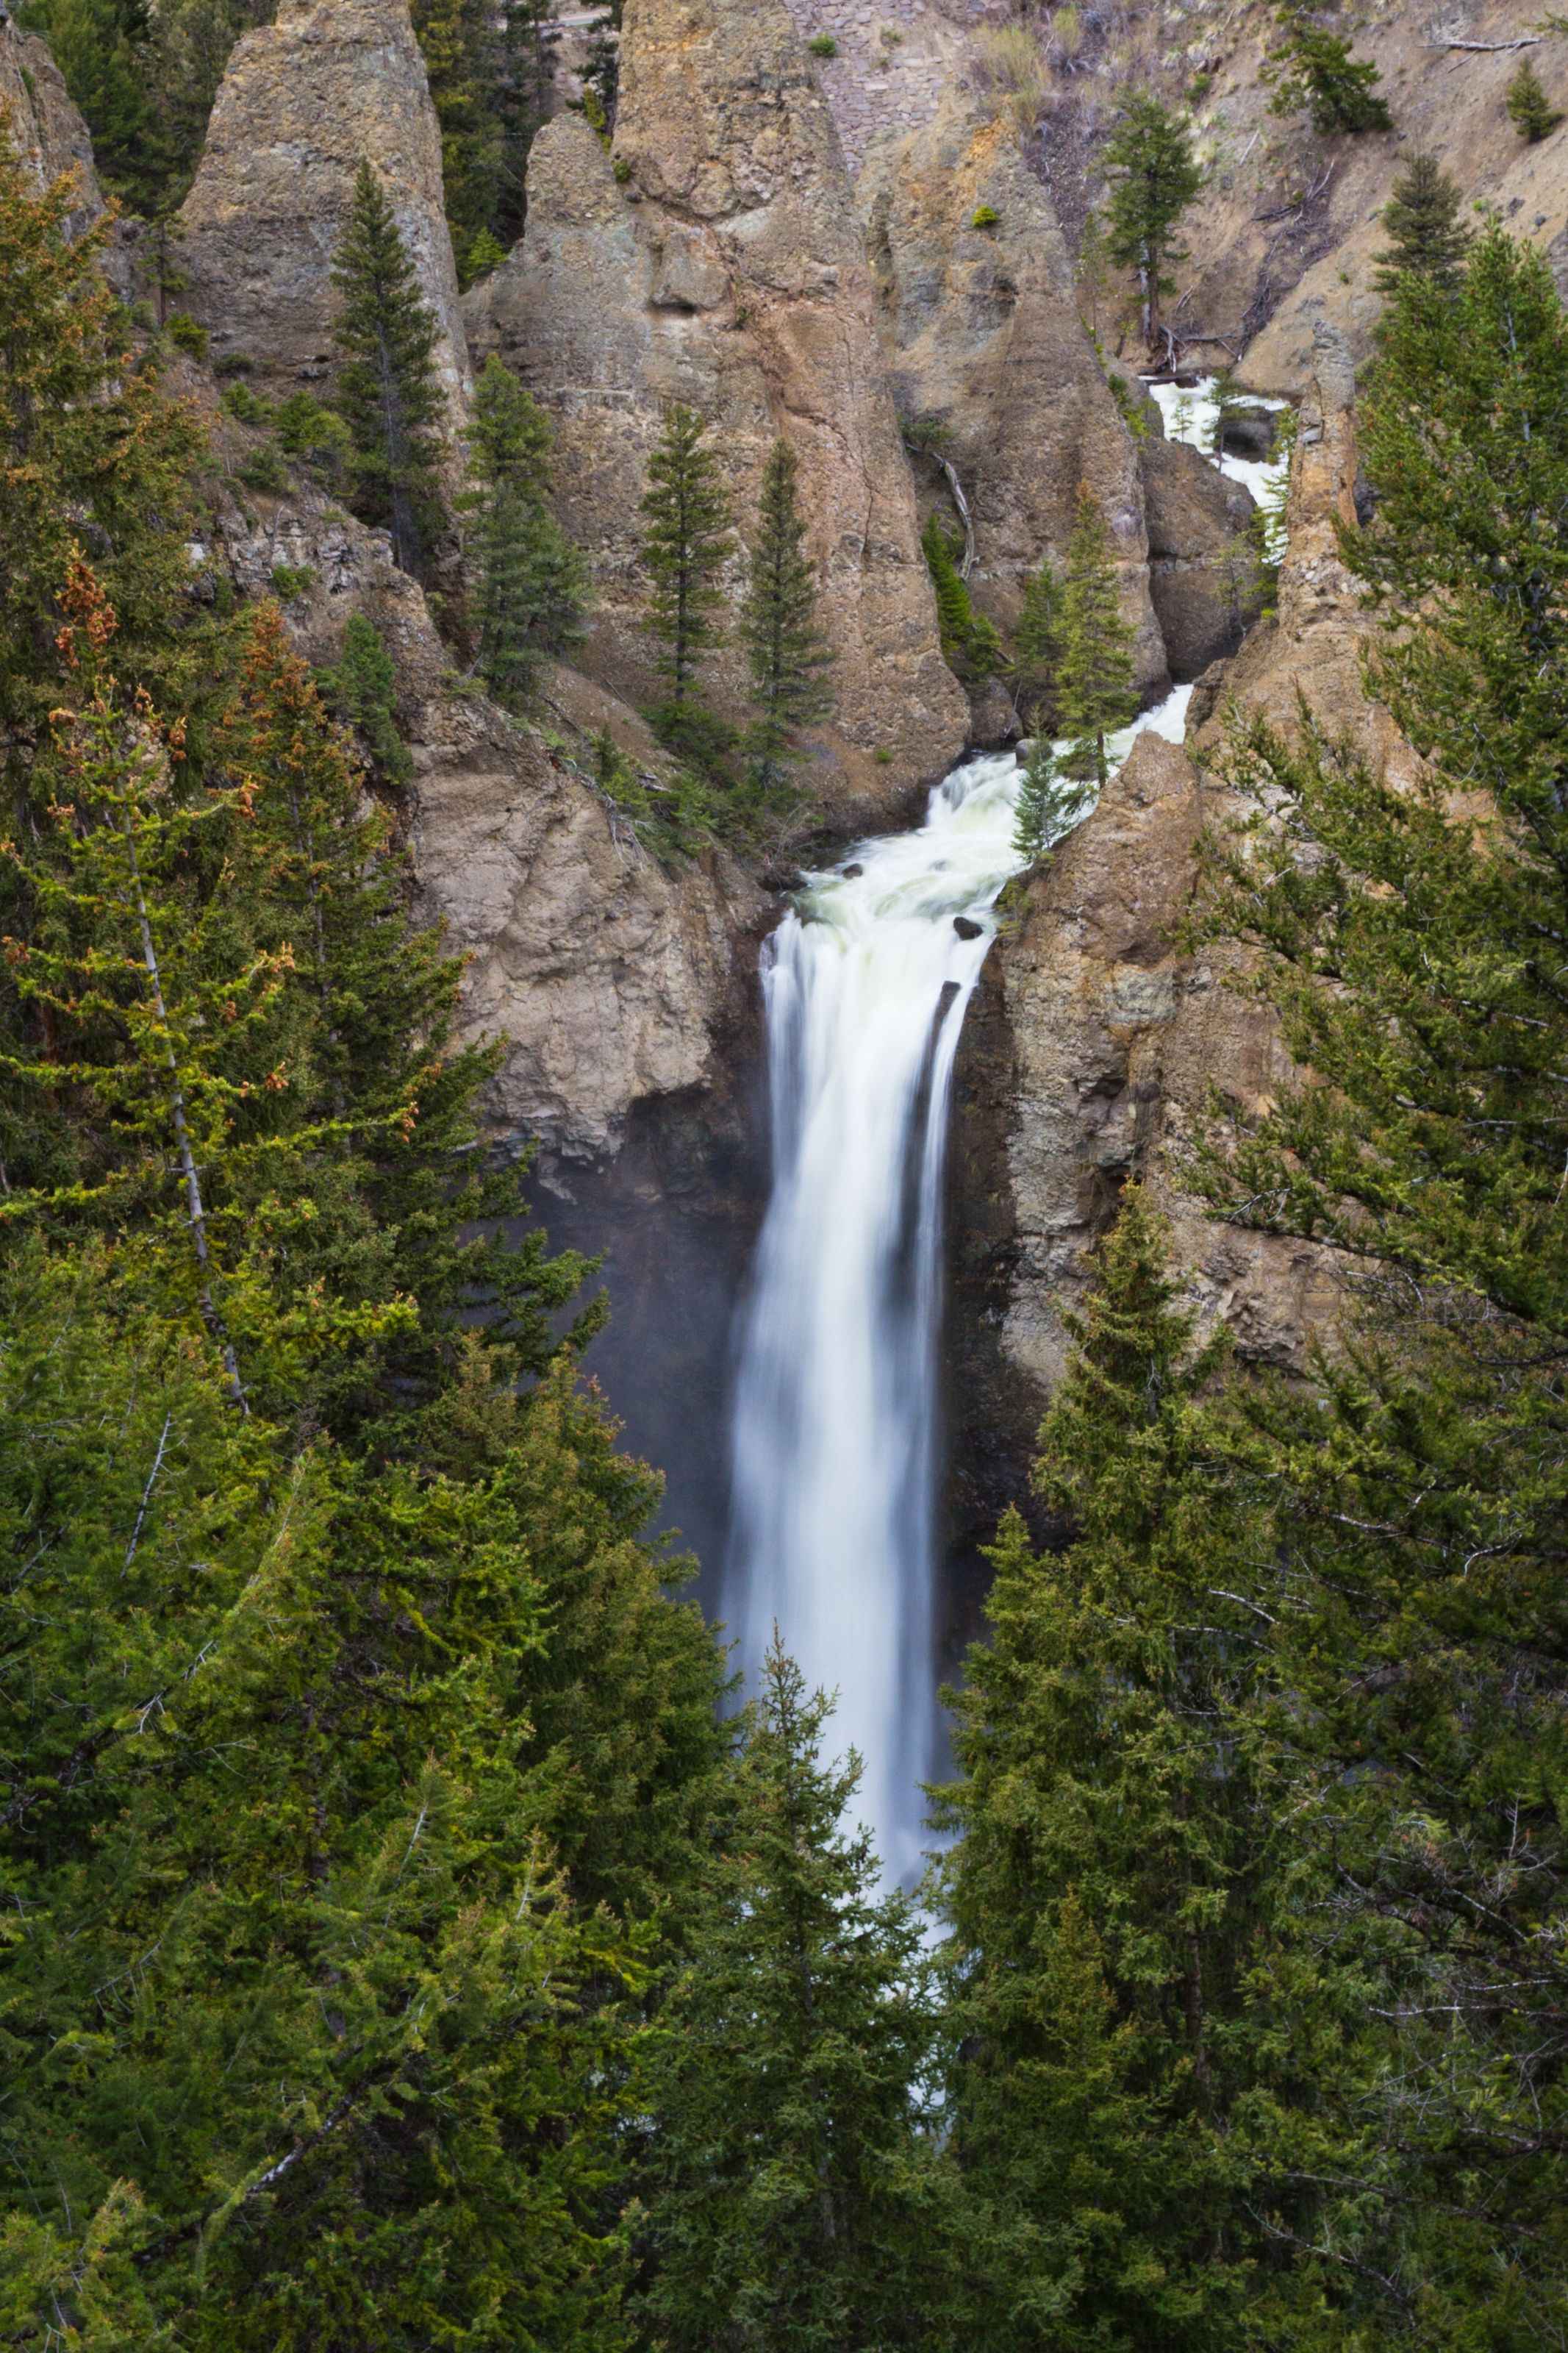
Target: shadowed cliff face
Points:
(45, 128)
(718, 260)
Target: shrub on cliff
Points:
(1314, 71)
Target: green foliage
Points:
(985, 216)
(1229, 402)
(601, 78)
(823, 45)
(185, 334)
(90, 454)
(786, 651)
(1425, 238)
(291, 580)
(312, 435)
(388, 390)
(1314, 72)
(1130, 404)
(1037, 645)
(363, 691)
(1095, 693)
(1101, 1896)
(1049, 805)
(686, 541)
(969, 640)
(794, 2196)
(531, 584)
(263, 469)
(1530, 109)
(1154, 177)
(247, 407)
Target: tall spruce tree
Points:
(530, 585)
(1402, 936)
(794, 2195)
(1426, 237)
(1155, 176)
(1094, 690)
(388, 390)
(1037, 645)
(1111, 1833)
(787, 653)
(686, 541)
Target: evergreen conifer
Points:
(1037, 645)
(1049, 804)
(1426, 237)
(686, 541)
(969, 640)
(1530, 109)
(1155, 176)
(532, 585)
(1101, 1893)
(1095, 688)
(787, 652)
(1313, 69)
(387, 386)
(363, 690)
(795, 2199)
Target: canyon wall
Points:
(714, 257)
(45, 129)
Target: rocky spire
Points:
(303, 103)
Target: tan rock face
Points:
(43, 124)
(982, 336)
(725, 268)
(305, 100)
(1200, 563)
(1117, 1038)
(610, 978)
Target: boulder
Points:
(332, 84)
(716, 258)
(1201, 564)
(980, 324)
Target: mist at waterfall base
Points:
(835, 1454)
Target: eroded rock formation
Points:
(1117, 1036)
(1201, 566)
(332, 84)
(981, 328)
(716, 258)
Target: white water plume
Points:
(835, 1445)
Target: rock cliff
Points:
(332, 84)
(981, 328)
(1201, 566)
(45, 129)
(612, 980)
(716, 258)
(1116, 1038)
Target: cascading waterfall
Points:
(866, 983)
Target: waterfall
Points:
(834, 1436)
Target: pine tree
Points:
(1101, 1894)
(788, 651)
(1425, 238)
(90, 453)
(1037, 645)
(532, 585)
(528, 40)
(1314, 68)
(387, 386)
(795, 2197)
(1049, 804)
(363, 690)
(1155, 176)
(1094, 686)
(458, 41)
(1530, 109)
(686, 543)
(101, 49)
